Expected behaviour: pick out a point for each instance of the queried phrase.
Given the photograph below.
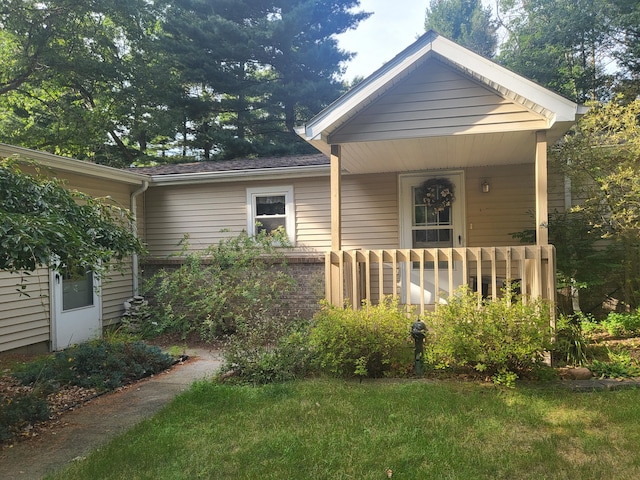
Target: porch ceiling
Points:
(429, 153)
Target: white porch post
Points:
(542, 208)
(336, 198)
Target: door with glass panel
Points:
(432, 216)
(75, 308)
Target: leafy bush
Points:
(619, 365)
(622, 324)
(372, 341)
(98, 364)
(497, 337)
(223, 288)
(273, 351)
(18, 411)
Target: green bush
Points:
(17, 411)
(274, 351)
(620, 364)
(223, 288)
(372, 341)
(497, 337)
(622, 324)
(97, 364)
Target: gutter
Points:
(134, 256)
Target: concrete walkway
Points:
(103, 418)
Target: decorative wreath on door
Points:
(437, 193)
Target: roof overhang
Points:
(71, 165)
(240, 175)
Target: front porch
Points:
(353, 276)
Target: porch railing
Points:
(426, 277)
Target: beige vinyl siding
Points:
(199, 211)
(507, 208)
(370, 211)
(436, 100)
(313, 214)
(24, 319)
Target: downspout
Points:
(134, 228)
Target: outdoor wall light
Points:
(486, 188)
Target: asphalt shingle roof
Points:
(237, 164)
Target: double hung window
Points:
(270, 208)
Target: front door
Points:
(432, 216)
(76, 309)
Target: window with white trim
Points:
(269, 208)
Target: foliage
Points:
(42, 223)
(90, 79)
(583, 264)
(275, 350)
(509, 334)
(600, 157)
(371, 341)
(20, 410)
(98, 364)
(619, 365)
(466, 22)
(570, 342)
(222, 289)
(615, 324)
(564, 45)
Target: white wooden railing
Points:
(415, 275)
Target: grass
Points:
(321, 429)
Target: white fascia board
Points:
(72, 165)
(241, 175)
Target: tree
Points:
(259, 68)
(466, 22)
(70, 71)
(564, 45)
(44, 224)
(601, 157)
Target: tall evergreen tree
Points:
(265, 65)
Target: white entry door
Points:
(426, 227)
(76, 309)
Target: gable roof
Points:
(504, 82)
(439, 105)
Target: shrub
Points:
(274, 351)
(17, 411)
(619, 365)
(497, 337)
(97, 364)
(222, 288)
(372, 341)
(622, 324)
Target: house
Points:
(53, 311)
(425, 170)
(437, 118)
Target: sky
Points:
(394, 25)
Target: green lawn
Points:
(331, 429)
